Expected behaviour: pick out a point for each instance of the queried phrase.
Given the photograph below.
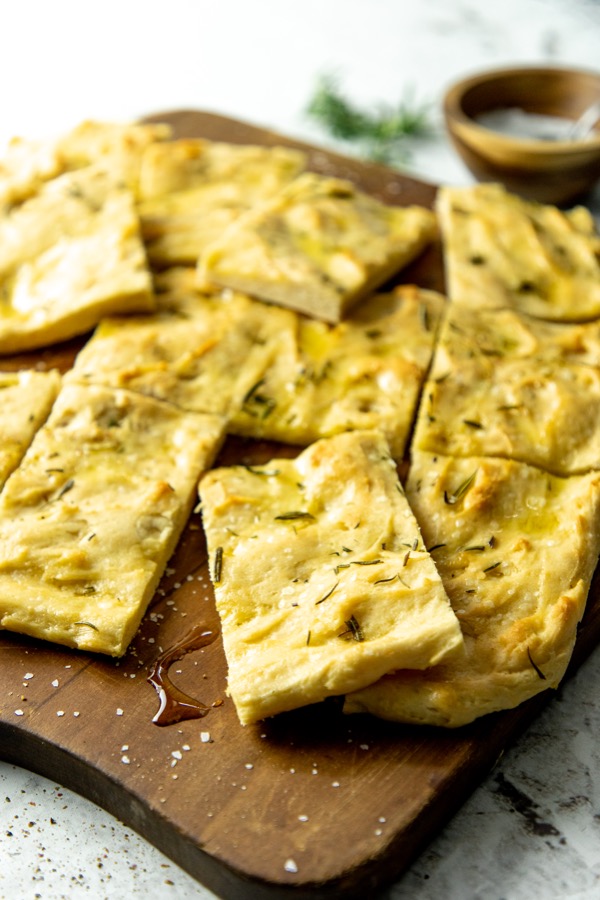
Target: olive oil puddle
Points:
(175, 705)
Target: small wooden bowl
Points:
(550, 171)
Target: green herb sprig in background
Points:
(381, 135)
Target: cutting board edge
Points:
(28, 750)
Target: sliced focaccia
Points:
(25, 401)
(318, 247)
(363, 373)
(506, 384)
(27, 164)
(91, 516)
(192, 190)
(516, 549)
(501, 250)
(119, 147)
(321, 577)
(201, 352)
(68, 256)
(24, 167)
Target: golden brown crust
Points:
(516, 549)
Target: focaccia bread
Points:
(201, 352)
(25, 400)
(318, 247)
(506, 384)
(25, 165)
(321, 577)
(364, 373)
(68, 256)
(91, 516)
(501, 250)
(119, 147)
(516, 549)
(192, 190)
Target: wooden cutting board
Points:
(309, 804)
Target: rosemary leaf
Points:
(328, 594)
(218, 567)
(536, 667)
(294, 514)
(461, 490)
(67, 486)
(395, 577)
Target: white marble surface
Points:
(533, 828)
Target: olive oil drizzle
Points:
(174, 704)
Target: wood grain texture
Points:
(350, 800)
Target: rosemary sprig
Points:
(381, 132)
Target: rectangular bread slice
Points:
(91, 516)
(506, 384)
(503, 251)
(321, 577)
(69, 256)
(318, 247)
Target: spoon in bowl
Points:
(582, 126)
